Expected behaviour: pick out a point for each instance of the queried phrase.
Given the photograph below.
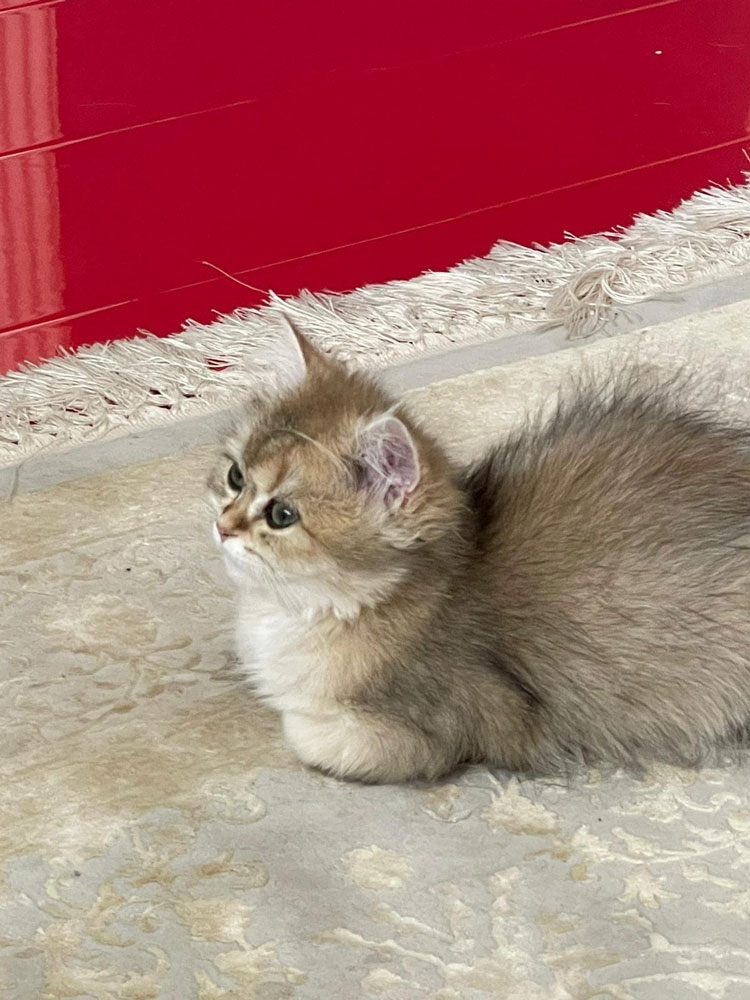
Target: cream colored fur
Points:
(578, 593)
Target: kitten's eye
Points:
(235, 478)
(280, 515)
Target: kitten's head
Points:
(326, 491)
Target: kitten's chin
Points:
(239, 575)
(242, 569)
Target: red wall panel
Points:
(327, 145)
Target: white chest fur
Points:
(284, 654)
(279, 653)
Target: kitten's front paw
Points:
(362, 748)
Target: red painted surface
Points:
(327, 145)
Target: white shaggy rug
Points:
(157, 842)
(110, 390)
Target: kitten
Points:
(582, 592)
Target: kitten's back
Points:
(612, 542)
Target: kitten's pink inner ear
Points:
(390, 458)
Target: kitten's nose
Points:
(224, 533)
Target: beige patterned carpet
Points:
(157, 840)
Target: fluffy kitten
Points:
(582, 592)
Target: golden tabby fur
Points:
(582, 592)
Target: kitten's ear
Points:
(390, 460)
(288, 355)
(309, 355)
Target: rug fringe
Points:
(104, 390)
